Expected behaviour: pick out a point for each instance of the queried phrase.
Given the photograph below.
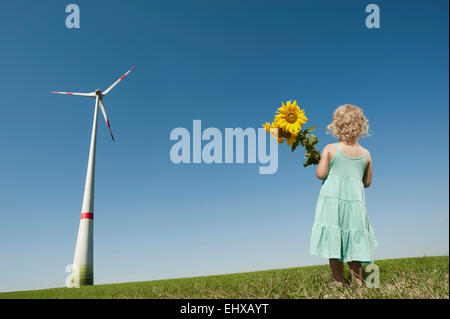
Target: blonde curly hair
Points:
(349, 123)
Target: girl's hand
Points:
(322, 168)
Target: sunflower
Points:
(291, 139)
(282, 134)
(290, 118)
(269, 128)
(288, 123)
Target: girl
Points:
(341, 230)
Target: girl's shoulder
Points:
(329, 147)
(367, 152)
(329, 150)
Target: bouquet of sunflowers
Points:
(287, 124)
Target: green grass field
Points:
(424, 277)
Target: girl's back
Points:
(345, 176)
(353, 165)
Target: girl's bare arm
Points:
(367, 178)
(322, 168)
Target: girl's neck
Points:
(350, 143)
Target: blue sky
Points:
(230, 64)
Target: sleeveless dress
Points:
(341, 227)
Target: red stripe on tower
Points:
(87, 216)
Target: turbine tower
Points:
(83, 261)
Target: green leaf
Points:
(308, 141)
(309, 130)
(313, 139)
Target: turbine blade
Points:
(115, 83)
(92, 94)
(102, 107)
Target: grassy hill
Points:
(424, 277)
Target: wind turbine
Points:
(83, 261)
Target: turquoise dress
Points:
(341, 227)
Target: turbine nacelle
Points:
(99, 93)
